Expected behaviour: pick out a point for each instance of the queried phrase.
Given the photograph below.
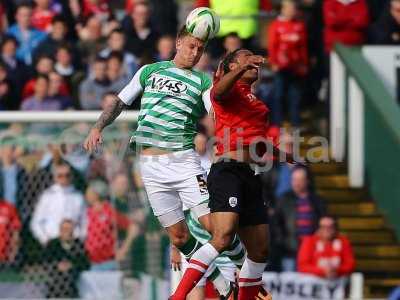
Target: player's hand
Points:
(257, 60)
(220, 71)
(176, 259)
(93, 140)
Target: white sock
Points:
(204, 257)
(251, 270)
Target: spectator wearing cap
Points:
(326, 253)
(345, 21)
(28, 37)
(287, 48)
(58, 202)
(141, 37)
(296, 215)
(65, 260)
(386, 30)
(103, 222)
(92, 89)
(116, 42)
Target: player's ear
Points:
(178, 43)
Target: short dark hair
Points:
(9, 38)
(116, 30)
(229, 58)
(42, 76)
(232, 34)
(59, 19)
(24, 4)
(100, 59)
(116, 54)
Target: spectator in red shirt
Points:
(103, 222)
(42, 15)
(327, 253)
(288, 57)
(10, 226)
(345, 21)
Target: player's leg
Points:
(254, 235)
(255, 239)
(225, 190)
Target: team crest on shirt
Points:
(251, 97)
(232, 201)
(166, 85)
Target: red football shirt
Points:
(240, 118)
(102, 232)
(9, 222)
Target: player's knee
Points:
(259, 253)
(178, 239)
(222, 241)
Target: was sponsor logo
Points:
(166, 84)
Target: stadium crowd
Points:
(87, 211)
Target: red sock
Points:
(249, 288)
(190, 278)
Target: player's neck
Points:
(179, 63)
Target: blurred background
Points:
(74, 225)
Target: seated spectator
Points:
(141, 37)
(326, 253)
(10, 227)
(42, 15)
(40, 101)
(43, 66)
(116, 42)
(345, 21)
(64, 62)
(93, 87)
(8, 97)
(28, 37)
(65, 260)
(287, 48)
(58, 202)
(103, 221)
(386, 30)
(116, 72)
(296, 215)
(17, 71)
(165, 48)
(91, 40)
(57, 36)
(58, 90)
(232, 42)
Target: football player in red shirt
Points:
(236, 203)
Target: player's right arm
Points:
(226, 82)
(128, 94)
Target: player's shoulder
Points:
(205, 79)
(157, 66)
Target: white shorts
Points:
(173, 181)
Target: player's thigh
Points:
(255, 239)
(194, 195)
